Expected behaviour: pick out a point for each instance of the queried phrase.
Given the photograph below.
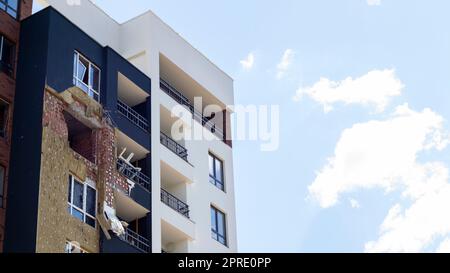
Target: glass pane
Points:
(90, 221)
(77, 214)
(3, 117)
(213, 220)
(211, 166)
(221, 223)
(90, 201)
(82, 70)
(219, 173)
(13, 4)
(2, 6)
(12, 12)
(75, 61)
(8, 52)
(78, 194)
(95, 78)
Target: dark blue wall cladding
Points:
(25, 162)
(47, 45)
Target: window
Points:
(3, 117)
(7, 54)
(2, 184)
(86, 76)
(74, 247)
(216, 172)
(10, 6)
(218, 226)
(82, 201)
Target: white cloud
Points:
(373, 2)
(444, 247)
(376, 88)
(285, 63)
(248, 62)
(383, 154)
(354, 203)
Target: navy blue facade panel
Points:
(24, 173)
(130, 129)
(117, 63)
(141, 196)
(65, 38)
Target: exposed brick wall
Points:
(55, 224)
(25, 9)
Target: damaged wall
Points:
(55, 224)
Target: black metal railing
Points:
(133, 174)
(133, 116)
(136, 240)
(174, 146)
(197, 115)
(174, 203)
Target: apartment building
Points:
(11, 12)
(121, 141)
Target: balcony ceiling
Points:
(129, 92)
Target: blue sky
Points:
(387, 172)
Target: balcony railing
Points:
(136, 240)
(198, 116)
(174, 203)
(133, 116)
(174, 146)
(133, 174)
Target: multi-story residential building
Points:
(110, 153)
(11, 12)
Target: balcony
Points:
(133, 174)
(132, 116)
(197, 115)
(174, 146)
(136, 240)
(175, 203)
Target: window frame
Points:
(215, 226)
(80, 83)
(3, 131)
(220, 184)
(6, 67)
(2, 185)
(71, 205)
(8, 7)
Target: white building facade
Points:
(193, 204)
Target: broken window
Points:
(82, 200)
(10, 6)
(7, 55)
(86, 76)
(3, 117)
(80, 137)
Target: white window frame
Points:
(71, 206)
(79, 82)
